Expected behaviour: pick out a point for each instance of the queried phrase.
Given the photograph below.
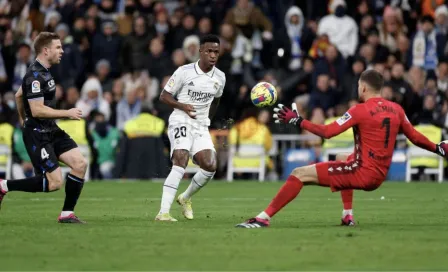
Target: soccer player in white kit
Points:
(193, 91)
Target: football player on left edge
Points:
(45, 142)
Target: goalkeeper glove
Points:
(442, 149)
(287, 116)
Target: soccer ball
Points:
(263, 95)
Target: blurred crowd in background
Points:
(120, 53)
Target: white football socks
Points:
(66, 213)
(198, 181)
(4, 185)
(347, 212)
(264, 216)
(170, 188)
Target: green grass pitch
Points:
(408, 230)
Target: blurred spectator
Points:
(142, 143)
(248, 18)
(429, 114)
(92, 98)
(135, 45)
(319, 46)
(22, 63)
(441, 20)
(368, 53)
(103, 74)
(340, 28)
(402, 52)
(125, 20)
(107, 10)
(391, 26)
(52, 19)
(158, 62)
(350, 86)
(129, 107)
(21, 165)
(380, 51)
(331, 64)
(3, 76)
(191, 48)
(205, 26)
(429, 6)
(71, 98)
(178, 59)
(237, 50)
(139, 80)
(293, 40)
(324, 96)
(21, 24)
(117, 95)
(179, 34)
(427, 45)
(161, 24)
(105, 140)
(317, 117)
(7, 111)
(367, 23)
(71, 67)
(442, 77)
(106, 45)
(400, 86)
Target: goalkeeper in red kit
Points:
(376, 123)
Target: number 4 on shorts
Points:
(44, 154)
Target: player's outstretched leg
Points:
(299, 177)
(207, 161)
(180, 161)
(74, 183)
(41, 183)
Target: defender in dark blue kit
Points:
(45, 142)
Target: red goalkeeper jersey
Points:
(376, 124)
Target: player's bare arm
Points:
(39, 110)
(213, 107)
(286, 115)
(168, 99)
(19, 103)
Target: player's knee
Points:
(54, 183)
(80, 165)
(209, 166)
(180, 158)
(306, 174)
(298, 172)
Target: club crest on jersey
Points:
(51, 83)
(216, 86)
(344, 118)
(35, 86)
(171, 83)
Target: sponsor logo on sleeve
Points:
(35, 86)
(171, 83)
(344, 118)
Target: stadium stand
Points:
(120, 53)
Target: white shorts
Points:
(189, 137)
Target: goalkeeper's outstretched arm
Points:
(285, 115)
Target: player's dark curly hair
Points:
(373, 78)
(209, 38)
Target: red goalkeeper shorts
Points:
(347, 175)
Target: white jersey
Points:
(190, 85)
